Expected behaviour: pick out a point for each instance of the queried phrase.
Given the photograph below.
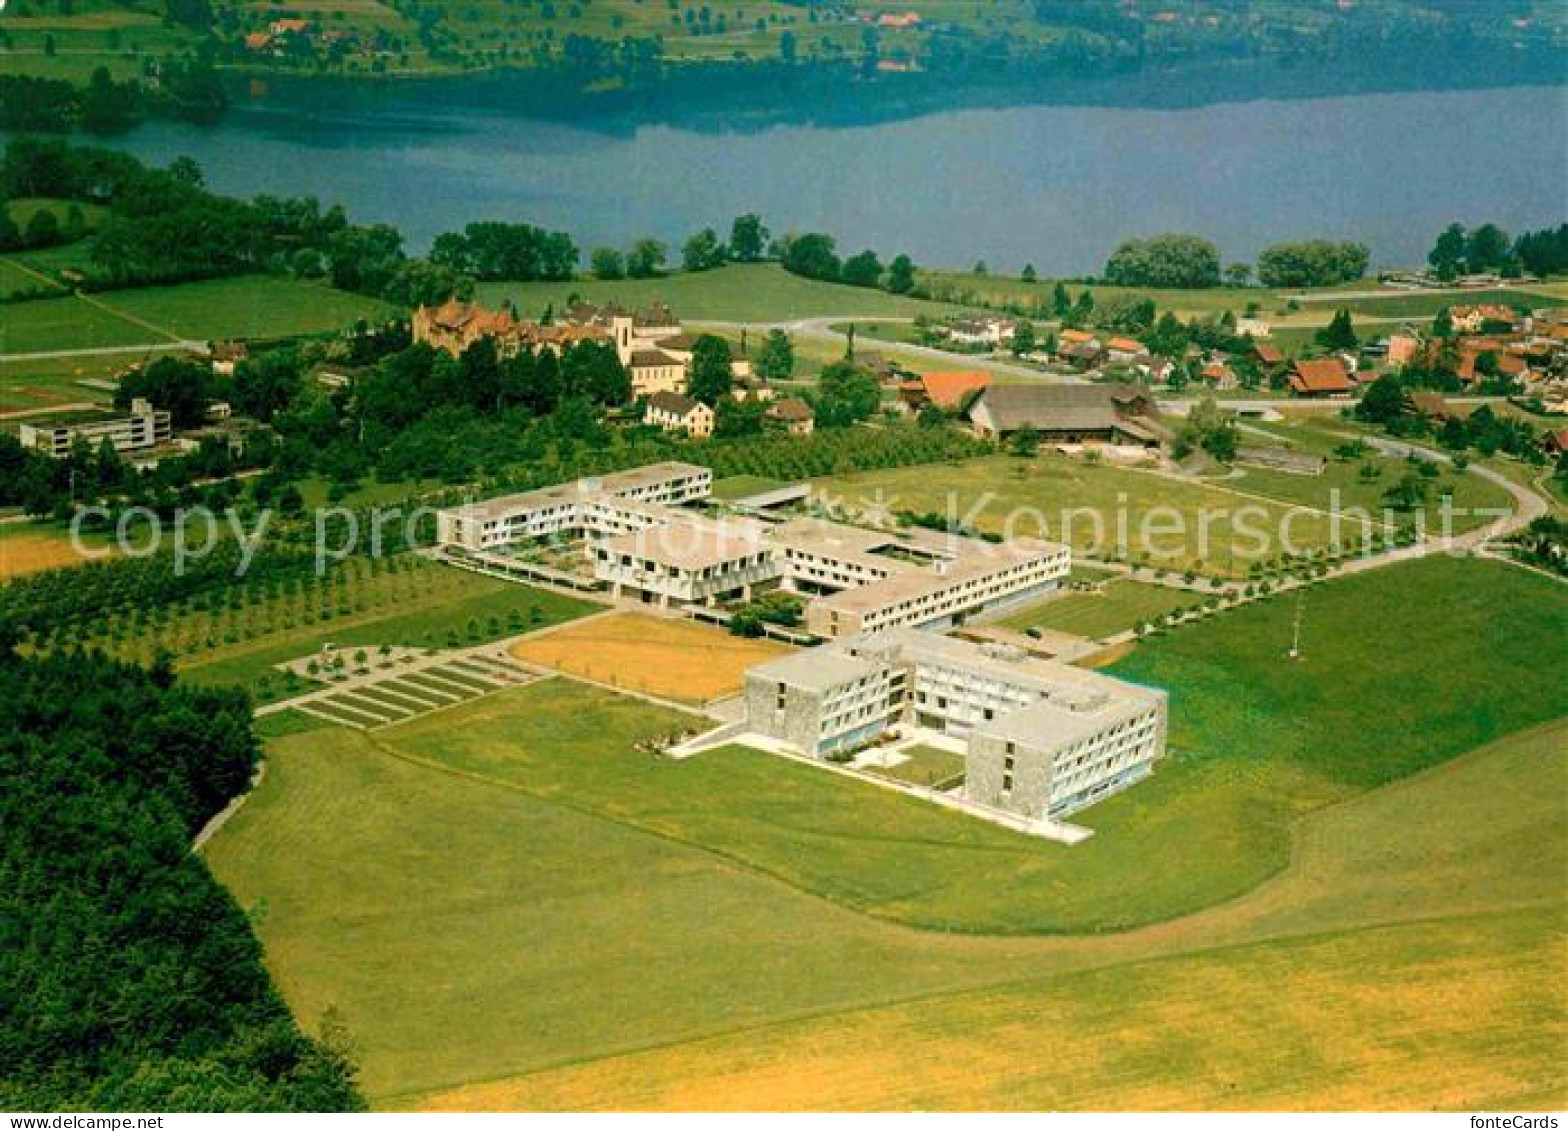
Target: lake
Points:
(1055, 185)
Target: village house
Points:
(794, 415)
(226, 355)
(1320, 377)
(1218, 375)
(946, 390)
(988, 332)
(1471, 319)
(676, 412)
(1267, 355)
(1402, 349)
(1070, 414)
(748, 388)
(1124, 351)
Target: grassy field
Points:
(1412, 1017)
(1119, 606)
(96, 33)
(1083, 503)
(260, 306)
(257, 306)
(1164, 517)
(66, 323)
(1422, 306)
(743, 486)
(48, 382)
(1256, 742)
(762, 292)
(502, 960)
(675, 659)
(28, 549)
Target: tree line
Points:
(188, 88)
(1459, 250)
(130, 980)
(1188, 262)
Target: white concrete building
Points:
(640, 541)
(607, 504)
(145, 427)
(1043, 739)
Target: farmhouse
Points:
(1070, 414)
(1124, 351)
(794, 415)
(947, 390)
(145, 427)
(1043, 739)
(1267, 354)
(1470, 319)
(676, 412)
(1319, 377)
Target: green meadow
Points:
(480, 894)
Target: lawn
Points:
(47, 382)
(761, 292)
(675, 659)
(924, 765)
(1118, 606)
(459, 892)
(66, 323)
(24, 208)
(744, 486)
(1420, 1016)
(256, 306)
(1256, 741)
(1099, 509)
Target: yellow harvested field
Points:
(1429, 1015)
(674, 659)
(29, 551)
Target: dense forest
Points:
(129, 979)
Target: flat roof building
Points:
(144, 427)
(641, 541)
(1044, 739)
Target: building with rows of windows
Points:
(1043, 739)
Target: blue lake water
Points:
(1054, 185)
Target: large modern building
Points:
(641, 541)
(145, 427)
(608, 504)
(1043, 739)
